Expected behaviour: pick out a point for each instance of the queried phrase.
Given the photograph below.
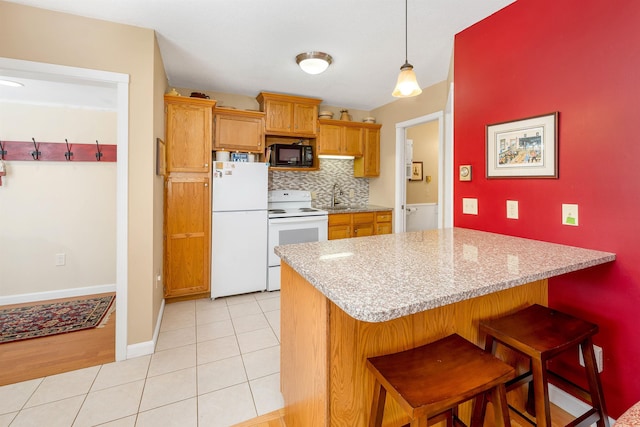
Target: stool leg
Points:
(500, 407)
(595, 386)
(541, 392)
(377, 405)
(479, 410)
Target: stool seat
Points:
(542, 333)
(431, 379)
(631, 417)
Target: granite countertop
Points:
(380, 278)
(354, 209)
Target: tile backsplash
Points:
(332, 171)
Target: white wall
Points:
(47, 208)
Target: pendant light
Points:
(407, 85)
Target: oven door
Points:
(285, 231)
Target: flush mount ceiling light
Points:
(314, 62)
(11, 83)
(407, 85)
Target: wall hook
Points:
(2, 151)
(99, 153)
(35, 154)
(68, 153)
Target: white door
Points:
(239, 186)
(238, 253)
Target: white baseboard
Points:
(63, 293)
(569, 403)
(147, 347)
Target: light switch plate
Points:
(570, 214)
(512, 209)
(470, 206)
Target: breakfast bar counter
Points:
(345, 300)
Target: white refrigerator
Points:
(239, 228)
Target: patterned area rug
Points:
(49, 319)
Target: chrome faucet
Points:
(333, 195)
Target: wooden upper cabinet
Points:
(188, 133)
(340, 138)
(288, 115)
(369, 164)
(238, 130)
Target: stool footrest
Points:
(569, 387)
(520, 380)
(588, 418)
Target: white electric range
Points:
(292, 220)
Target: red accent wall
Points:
(582, 59)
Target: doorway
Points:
(118, 85)
(444, 120)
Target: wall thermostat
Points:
(465, 172)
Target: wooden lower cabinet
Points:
(359, 224)
(187, 235)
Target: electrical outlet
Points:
(61, 259)
(512, 209)
(598, 351)
(470, 206)
(352, 194)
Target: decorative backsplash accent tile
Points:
(332, 171)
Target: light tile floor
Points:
(216, 363)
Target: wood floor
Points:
(39, 357)
(559, 418)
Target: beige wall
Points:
(431, 100)
(48, 208)
(43, 36)
(425, 150)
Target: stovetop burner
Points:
(291, 203)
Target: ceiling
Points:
(247, 46)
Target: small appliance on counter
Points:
(239, 228)
(292, 155)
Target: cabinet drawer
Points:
(363, 218)
(383, 217)
(339, 219)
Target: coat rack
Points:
(55, 151)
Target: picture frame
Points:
(161, 157)
(524, 148)
(416, 171)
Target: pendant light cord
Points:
(406, 31)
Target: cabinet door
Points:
(363, 224)
(330, 139)
(369, 164)
(187, 225)
(279, 116)
(383, 222)
(352, 141)
(238, 133)
(188, 137)
(339, 232)
(305, 118)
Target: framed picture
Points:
(161, 157)
(416, 171)
(526, 148)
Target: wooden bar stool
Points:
(542, 333)
(429, 382)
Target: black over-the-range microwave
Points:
(292, 155)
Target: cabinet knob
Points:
(206, 184)
(206, 165)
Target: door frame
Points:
(445, 163)
(120, 84)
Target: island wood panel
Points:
(351, 341)
(304, 354)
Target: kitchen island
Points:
(345, 300)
